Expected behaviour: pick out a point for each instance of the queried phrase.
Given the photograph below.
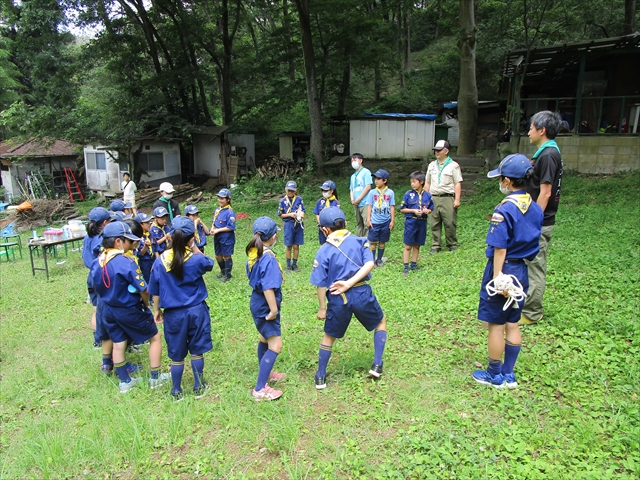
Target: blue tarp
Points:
(450, 105)
(424, 116)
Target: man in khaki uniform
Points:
(444, 183)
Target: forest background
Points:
(106, 72)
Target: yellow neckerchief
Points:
(253, 258)
(291, 202)
(327, 204)
(196, 234)
(381, 197)
(131, 255)
(147, 236)
(336, 238)
(217, 212)
(523, 201)
(108, 255)
(419, 192)
(161, 227)
(167, 257)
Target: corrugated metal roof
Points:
(39, 148)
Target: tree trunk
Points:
(629, 17)
(315, 113)
(344, 85)
(468, 94)
(377, 83)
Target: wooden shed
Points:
(392, 135)
(294, 145)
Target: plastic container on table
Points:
(77, 228)
(53, 235)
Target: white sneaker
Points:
(125, 387)
(160, 381)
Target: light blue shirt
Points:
(381, 205)
(359, 180)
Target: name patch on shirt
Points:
(497, 218)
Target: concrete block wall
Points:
(602, 154)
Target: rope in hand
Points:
(509, 284)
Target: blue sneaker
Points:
(510, 380)
(484, 377)
(133, 368)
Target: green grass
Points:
(575, 415)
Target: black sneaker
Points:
(226, 278)
(379, 263)
(433, 251)
(295, 267)
(289, 269)
(414, 268)
(201, 391)
(405, 272)
(220, 275)
(453, 249)
(97, 346)
(177, 396)
(376, 370)
(321, 383)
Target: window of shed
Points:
(152, 162)
(101, 161)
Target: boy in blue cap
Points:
(201, 230)
(416, 205)
(124, 305)
(291, 211)
(340, 270)
(265, 278)
(117, 205)
(224, 231)
(144, 251)
(329, 199)
(381, 214)
(159, 231)
(513, 237)
(177, 285)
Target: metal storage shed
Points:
(392, 135)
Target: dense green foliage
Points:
(161, 67)
(575, 415)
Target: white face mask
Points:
(355, 165)
(504, 190)
(326, 194)
(168, 196)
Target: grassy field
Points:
(575, 415)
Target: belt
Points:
(443, 195)
(514, 260)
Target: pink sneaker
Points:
(267, 393)
(277, 377)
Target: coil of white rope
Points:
(511, 285)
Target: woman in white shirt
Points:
(129, 190)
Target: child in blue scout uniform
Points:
(291, 211)
(223, 229)
(201, 231)
(144, 252)
(177, 286)
(513, 236)
(381, 214)
(265, 278)
(124, 299)
(159, 231)
(98, 218)
(416, 205)
(341, 267)
(329, 199)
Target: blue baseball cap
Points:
(515, 165)
(128, 205)
(160, 212)
(116, 206)
(183, 223)
(382, 174)
(266, 226)
(118, 216)
(191, 210)
(119, 229)
(99, 215)
(291, 185)
(142, 218)
(224, 193)
(113, 216)
(329, 215)
(328, 185)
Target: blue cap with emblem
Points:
(382, 174)
(515, 165)
(329, 215)
(99, 215)
(119, 229)
(328, 185)
(142, 218)
(224, 193)
(183, 223)
(291, 185)
(160, 212)
(191, 210)
(266, 227)
(117, 206)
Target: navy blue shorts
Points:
(293, 234)
(260, 309)
(187, 329)
(93, 295)
(490, 308)
(415, 231)
(124, 323)
(379, 233)
(145, 267)
(359, 301)
(223, 249)
(100, 333)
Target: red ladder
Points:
(72, 184)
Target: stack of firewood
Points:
(150, 195)
(44, 212)
(276, 167)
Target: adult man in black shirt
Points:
(545, 191)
